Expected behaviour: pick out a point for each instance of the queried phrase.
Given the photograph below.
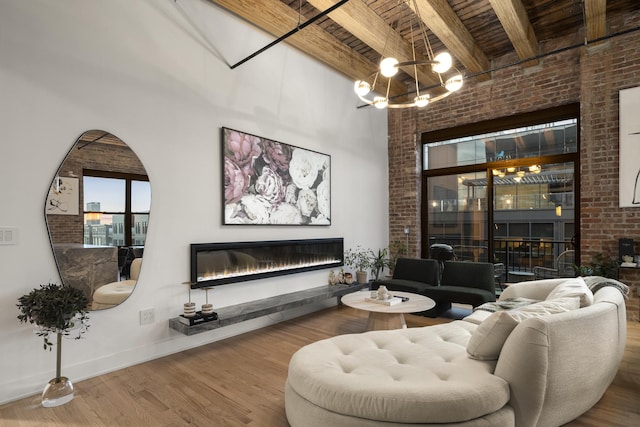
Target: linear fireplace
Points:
(215, 264)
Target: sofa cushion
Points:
(402, 285)
(574, 287)
(478, 316)
(488, 339)
(414, 375)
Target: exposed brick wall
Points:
(592, 76)
(103, 157)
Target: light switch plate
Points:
(8, 235)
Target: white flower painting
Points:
(268, 182)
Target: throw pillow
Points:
(487, 340)
(574, 287)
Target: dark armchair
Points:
(470, 283)
(412, 275)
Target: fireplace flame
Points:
(264, 267)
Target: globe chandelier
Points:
(373, 90)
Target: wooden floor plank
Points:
(239, 382)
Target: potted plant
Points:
(378, 262)
(599, 267)
(359, 260)
(396, 250)
(60, 310)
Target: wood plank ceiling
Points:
(353, 38)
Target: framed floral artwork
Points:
(629, 170)
(268, 182)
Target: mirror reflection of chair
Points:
(562, 267)
(114, 293)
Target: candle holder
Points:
(192, 317)
(189, 307)
(207, 308)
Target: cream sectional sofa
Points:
(542, 364)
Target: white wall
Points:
(155, 73)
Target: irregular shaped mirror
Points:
(97, 212)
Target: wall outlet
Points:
(147, 316)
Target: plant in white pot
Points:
(359, 259)
(60, 310)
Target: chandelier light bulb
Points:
(444, 61)
(421, 100)
(380, 102)
(454, 83)
(361, 87)
(511, 169)
(389, 67)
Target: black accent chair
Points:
(412, 275)
(464, 282)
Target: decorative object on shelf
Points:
(626, 251)
(207, 308)
(190, 316)
(271, 183)
(61, 310)
(443, 78)
(340, 278)
(189, 309)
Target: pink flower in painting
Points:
(243, 149)
(277, 155)
(269, 185)
(236, 181)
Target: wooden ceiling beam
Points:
(357, 18)
(276, 18)
(515, 21)
(447, 26)
(596, 18)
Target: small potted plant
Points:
(396, 250)
(599, 266)
(61, 310)
(358, 259)
(378, 262)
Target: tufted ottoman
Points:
(417, 376)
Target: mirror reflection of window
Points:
(116, 211)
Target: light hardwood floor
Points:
(240, 382)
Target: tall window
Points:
(506, 195)
(116, 208)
